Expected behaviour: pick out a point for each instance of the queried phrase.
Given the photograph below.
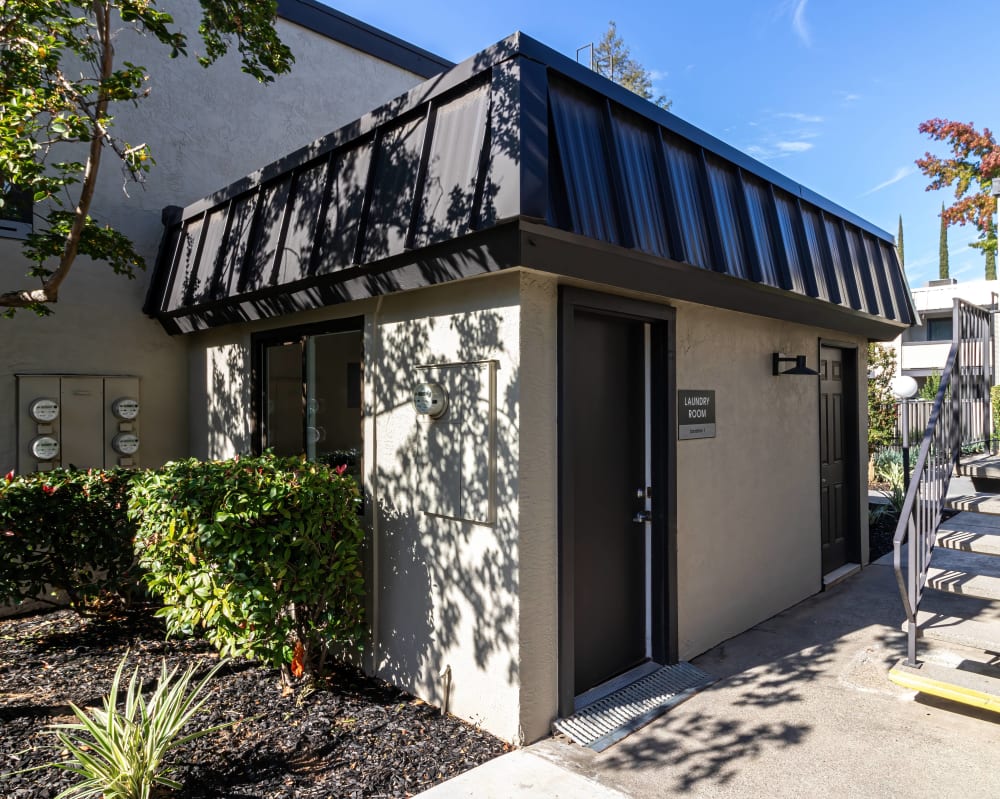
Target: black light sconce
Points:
(800, 367)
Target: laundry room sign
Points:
(695, 414)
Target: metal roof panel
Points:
(518, 132)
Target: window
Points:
(939, 329)
(309, 391)
(15, 213)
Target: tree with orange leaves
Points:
(973, 166)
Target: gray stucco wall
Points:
(206, 128)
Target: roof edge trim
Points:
(354, 33)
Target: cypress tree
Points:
(612, 59)
(991, 253)
(943, 248)
(899, 243)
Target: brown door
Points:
(833, 445)
(606, 375)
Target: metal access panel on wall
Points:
(84, 421)
(458, 458)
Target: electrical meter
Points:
(45, 448)
(125, 443)
(44, 410)
(430, 399)
(125, 408)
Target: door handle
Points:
(642, 516)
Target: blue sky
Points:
(829, 92)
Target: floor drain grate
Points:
(611, 718)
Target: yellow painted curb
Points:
(956, 693)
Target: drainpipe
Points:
(375, 360)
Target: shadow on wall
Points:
(229, 402)
(447, 584)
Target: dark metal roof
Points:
(521, 157)
(353, 32)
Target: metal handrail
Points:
(953, 423)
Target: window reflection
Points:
(313, 398)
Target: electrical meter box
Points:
(85, 421)
(455, 406)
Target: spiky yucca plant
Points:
(120, 753)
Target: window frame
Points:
(259, 345)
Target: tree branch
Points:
(50, 287)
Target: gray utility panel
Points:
(86, 421)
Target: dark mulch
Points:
(882, 529)
(354, 737)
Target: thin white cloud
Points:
(799, 24)
(901, 173)
(793, 146)
(847, 97)
(658, 74)
(800, 117)
(771, 150)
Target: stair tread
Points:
(959, 685)
(971, 532)
(963, 582)
(964, 573)
(976, 633)
(984, 466)
(980, 503)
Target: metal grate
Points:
(608, 720)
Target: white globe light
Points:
(903, 387)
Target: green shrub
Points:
(929, 390)
(896, 494)
(995, 404)
(67, 530)
(885, 460)
(881, 403)
(261, 554)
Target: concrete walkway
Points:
(803, 708)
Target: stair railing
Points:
(954, 425)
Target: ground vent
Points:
(611, 718)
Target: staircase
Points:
(958, 620)
(949, 571)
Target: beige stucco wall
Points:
(447, 589)
(748, 536)
(206, 129)
(748, 529)
(538, 522)
(480, 600)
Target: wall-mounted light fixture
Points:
(800, 367)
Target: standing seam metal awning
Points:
(521, 157)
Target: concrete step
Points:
(983, 503)
(965, 573)
(984, 471)
(957, 684)
(971, 532)
(986, 466)
(959, 620)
